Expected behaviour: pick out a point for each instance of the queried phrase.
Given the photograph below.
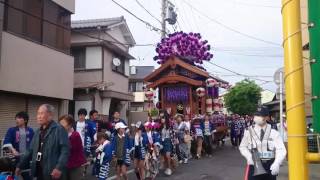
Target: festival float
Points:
(184, 86)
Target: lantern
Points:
(209, 105)
(201, 92)
(216, 105)
(149, 94)
(211, 82)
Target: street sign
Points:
(276, 76)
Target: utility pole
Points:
(163, 18)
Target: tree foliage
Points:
(243, 98)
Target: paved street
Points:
(227, 164)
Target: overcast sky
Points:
(259, 19)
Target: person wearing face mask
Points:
(261, 138)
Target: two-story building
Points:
(35, 64)
(101, 51)
(136, 86)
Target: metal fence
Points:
(313, 143)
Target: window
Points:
(41, 21)
(136, 86)
(87, 57)
(139, 86)
(132, 86)
(121, 68)
(56, 32)
(137, 108)
(79, 55)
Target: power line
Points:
(230, 28)
(257, 5)
(182, 18)
(194, 19)
(147, 11)
(252, 55)
(135, 16)
(239, 74)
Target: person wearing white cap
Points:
(121, 148)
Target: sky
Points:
(230, 26)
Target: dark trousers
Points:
(236, 139)
(208, 144)
(266, 165)
(26, 175)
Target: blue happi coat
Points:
(237, 128)
(13, 137)
(155, 137)
(105, 159)
(90, 131)
(211, 127)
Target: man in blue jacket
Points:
(49, 149)
(87, 130)
(18, 138)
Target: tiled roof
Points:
(141, 72)
(91, 23)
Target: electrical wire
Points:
(236, 73)
(194, 19)
(138, 2)
(138, 18)
(230, 28)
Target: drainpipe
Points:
(314, 34)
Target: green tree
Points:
(243, 98)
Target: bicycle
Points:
(152, 164)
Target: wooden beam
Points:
(158, 71)
(191, 68)
(173, 79)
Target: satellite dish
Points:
(276, 76)
(116, 61)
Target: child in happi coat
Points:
(121, 149)
(104, 156)
(140, 148)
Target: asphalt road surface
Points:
(226, 164)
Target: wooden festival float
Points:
(183, 85)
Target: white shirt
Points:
(188, 124)
(81, 129)
(137, 139)
(149, 134)
(273, 142)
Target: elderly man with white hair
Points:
(49, 150)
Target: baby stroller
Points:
(7, 165)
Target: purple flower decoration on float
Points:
(187, 46)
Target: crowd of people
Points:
(71, 149)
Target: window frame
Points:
(23, 33)
(116, 68)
